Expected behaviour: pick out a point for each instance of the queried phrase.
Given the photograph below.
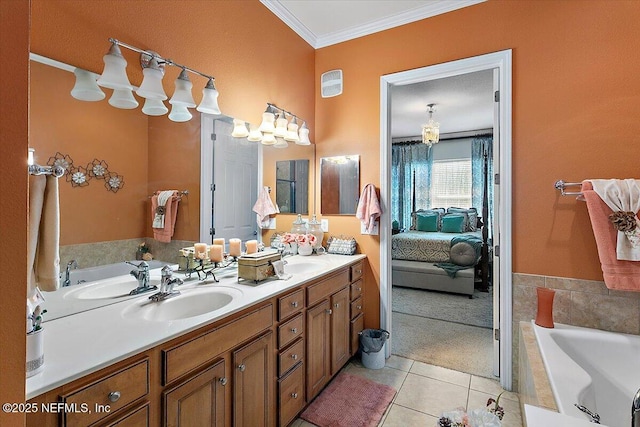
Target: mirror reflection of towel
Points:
(159, 211)
(264, 207)
(169, 215)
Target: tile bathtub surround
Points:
(535, 388)
(586, 303)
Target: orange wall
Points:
(14, 128)
(86, 131)
(575, 98)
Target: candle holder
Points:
(188, 264)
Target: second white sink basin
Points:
(190, 303)
(303, 265)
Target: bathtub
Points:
(597, 369)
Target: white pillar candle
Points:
(200, 250)
(219, 241)
(215, 253)
(252, 246)
(234, 247)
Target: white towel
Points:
(622, 195)
(368, 210)
(264, 207)
(163, 196)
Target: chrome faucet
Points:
(142, 276)
(71, 264)
(635, 410)
(167, 283)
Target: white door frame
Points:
(502, 61)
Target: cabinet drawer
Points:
(111, 392)
(357, 325)
(138, 417)
(326, 287)
(290, 304)
(290, 330)
(356, 289)
(356, 271)
(356, 308)
(185, 357)
(292, 395)
(289, 357)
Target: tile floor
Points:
(425, 391)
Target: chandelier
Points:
(431, 130)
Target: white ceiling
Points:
(463, 103)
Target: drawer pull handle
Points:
(114, 396)
(336, 305)
(359, 307)
(294, 356)
(294, 330)
(359, 289)
(294, 304)
(359, 271)
(223, 381)
(294, 395)
(241, 368)
(329, 311)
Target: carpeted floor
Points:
(451, 345)
(477, 311)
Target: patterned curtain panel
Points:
(405, 160)
(480, 146)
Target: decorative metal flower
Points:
(113, 182)
(62, 160)
(98, 169)
(78, 177)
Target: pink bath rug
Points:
(349, 401)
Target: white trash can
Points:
(372, 345)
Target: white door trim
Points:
(502, 61)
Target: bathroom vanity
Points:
(258, 360)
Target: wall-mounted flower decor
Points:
(98, 169)
(114, 182)
(79, 176)
(62, 160)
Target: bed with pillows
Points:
(439, 252)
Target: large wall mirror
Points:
(104, 225)
(339, 185)
(292, 186)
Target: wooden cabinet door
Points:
(253, 380)
(340, 329)
(318, 356)
(199, 401)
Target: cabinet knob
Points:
(114, 396)
(336, 305)
(359, 307)
(241, 368)
(329, 311)
(294, 304)
(223, 381)
(294, 330)
(294, 356)
(359, 289)
(294, 395)
(359, 271)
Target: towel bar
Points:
(561, 185)
(180, 193)
(56, 171)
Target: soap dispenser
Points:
(315, 228)
(299, 227)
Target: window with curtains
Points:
(451, 183)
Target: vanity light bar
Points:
(275, 108)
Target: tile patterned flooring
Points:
(425, 391)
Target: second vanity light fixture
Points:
(114, 76)
(276, 132)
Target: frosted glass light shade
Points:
(292, 132)
(86, 88)
(154, 107)
(303, 133)
(124, 99)
(114, 75)
(281, 127)
(239, 129)
(254, 134)
(179, 113)
(268, 139)
(267, 123)
(280, 143)
(431, 133)
(182, 95)
(151, 87)
(209, 103)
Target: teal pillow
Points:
(427, 221)
(453, 223)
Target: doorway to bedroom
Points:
(446, 306)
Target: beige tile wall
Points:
(586, 303)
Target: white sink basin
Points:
(117, 287)
(190, 303)
(303, 265)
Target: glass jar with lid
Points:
(315, 228)
(299, 226)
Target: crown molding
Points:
(434, 8)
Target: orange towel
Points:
(620, 275)
(170, 215)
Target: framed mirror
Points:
(339, 185)
(292, 186)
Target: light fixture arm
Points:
(158, 58)
(283, 111)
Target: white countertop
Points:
(82, 343)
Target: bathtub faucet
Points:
(595, 417)
(71, 264)
(635, 410)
